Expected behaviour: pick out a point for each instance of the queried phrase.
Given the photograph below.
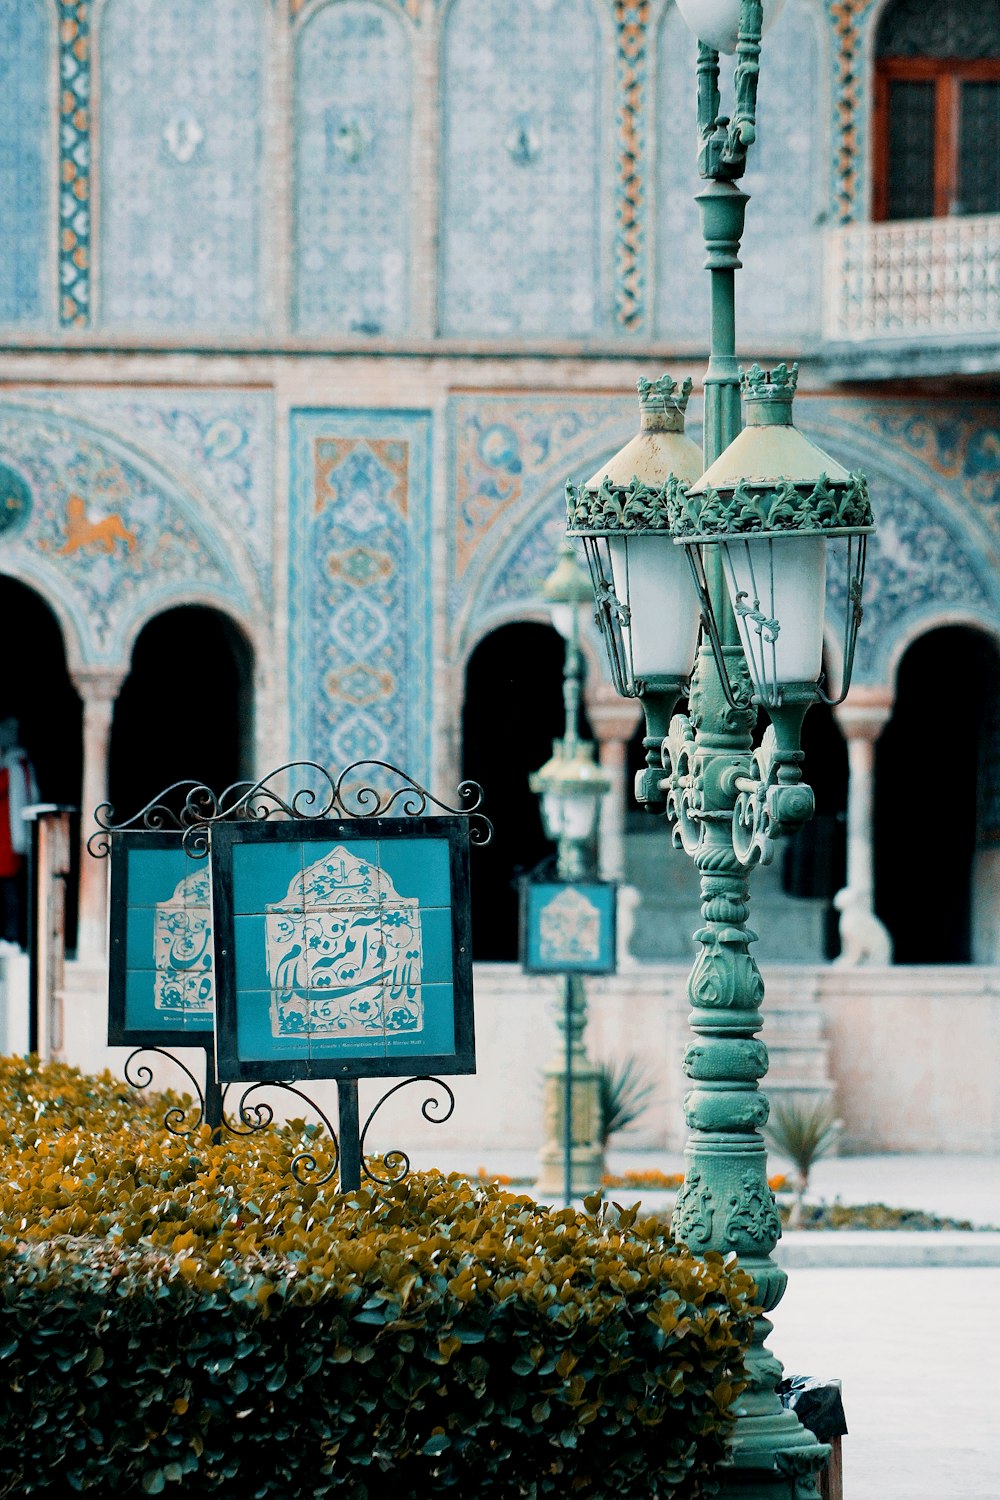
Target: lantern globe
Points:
(717, 22)
(779, 509)
(646, 609)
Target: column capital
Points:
(98, 684)
(865, 712)
(611, 716)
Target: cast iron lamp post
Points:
(571, 787)
(761, 529)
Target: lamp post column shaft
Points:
(726, 1204)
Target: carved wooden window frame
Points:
(947, 75)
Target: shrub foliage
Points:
(178, 1315)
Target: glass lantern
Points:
(788, 521)
(645, 607)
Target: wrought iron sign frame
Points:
(186, 813)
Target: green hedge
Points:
(178, 1316)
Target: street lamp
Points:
(570, 784)
(760, 528)
(571, 787)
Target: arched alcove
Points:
(522, 159)
(35, 689)
(181, 140)
(353, 115)
(513, 711)
(814, 860)
(185, 710)
(935, 868)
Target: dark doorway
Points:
(925, 843)
(814, 861)
(184, 711)
(513, 711)
(35, 689)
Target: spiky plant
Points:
(803, 1133)
(624, 1090)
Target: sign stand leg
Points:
(213, 1097)
(350, 1135)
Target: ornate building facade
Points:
(309, 308)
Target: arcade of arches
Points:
(868, 762)
(184, 710)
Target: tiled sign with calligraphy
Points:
(568, 927)
(162, 980)
(343, 948)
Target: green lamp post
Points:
(571, 787)
(774, 532)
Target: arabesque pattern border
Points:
(74, 163)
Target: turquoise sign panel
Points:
(162, 982)
(347, 947)
(568, 927)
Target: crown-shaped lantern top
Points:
(771, 478)
(631, 491)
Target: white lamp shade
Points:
(652, 577)
(569, 815)
(778, 591)
(717, 22)
(562, 618)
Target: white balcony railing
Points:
(913, 278)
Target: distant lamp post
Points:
(774, 532)
(571, 787)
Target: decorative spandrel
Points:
(568, 927)
(342, 948)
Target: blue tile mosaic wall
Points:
(524, 95)
(25, 37)
(353, 115)
(778, 289)
(181, 141)
(360, 588)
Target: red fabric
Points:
(10, 862)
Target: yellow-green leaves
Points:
(179, 1316)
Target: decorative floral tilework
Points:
(632, 24)
(522, 148)
(74, 163)
(181, 134)
(850, 107)
(219, 442)
(352, 173)
(360, 587)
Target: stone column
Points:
(98, 689)
(614, 721)
(863, 938)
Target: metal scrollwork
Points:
(396, 1162)
(772, 799)
(255, 1117)
(683, 784)
(140, 1076)
(191, 807)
